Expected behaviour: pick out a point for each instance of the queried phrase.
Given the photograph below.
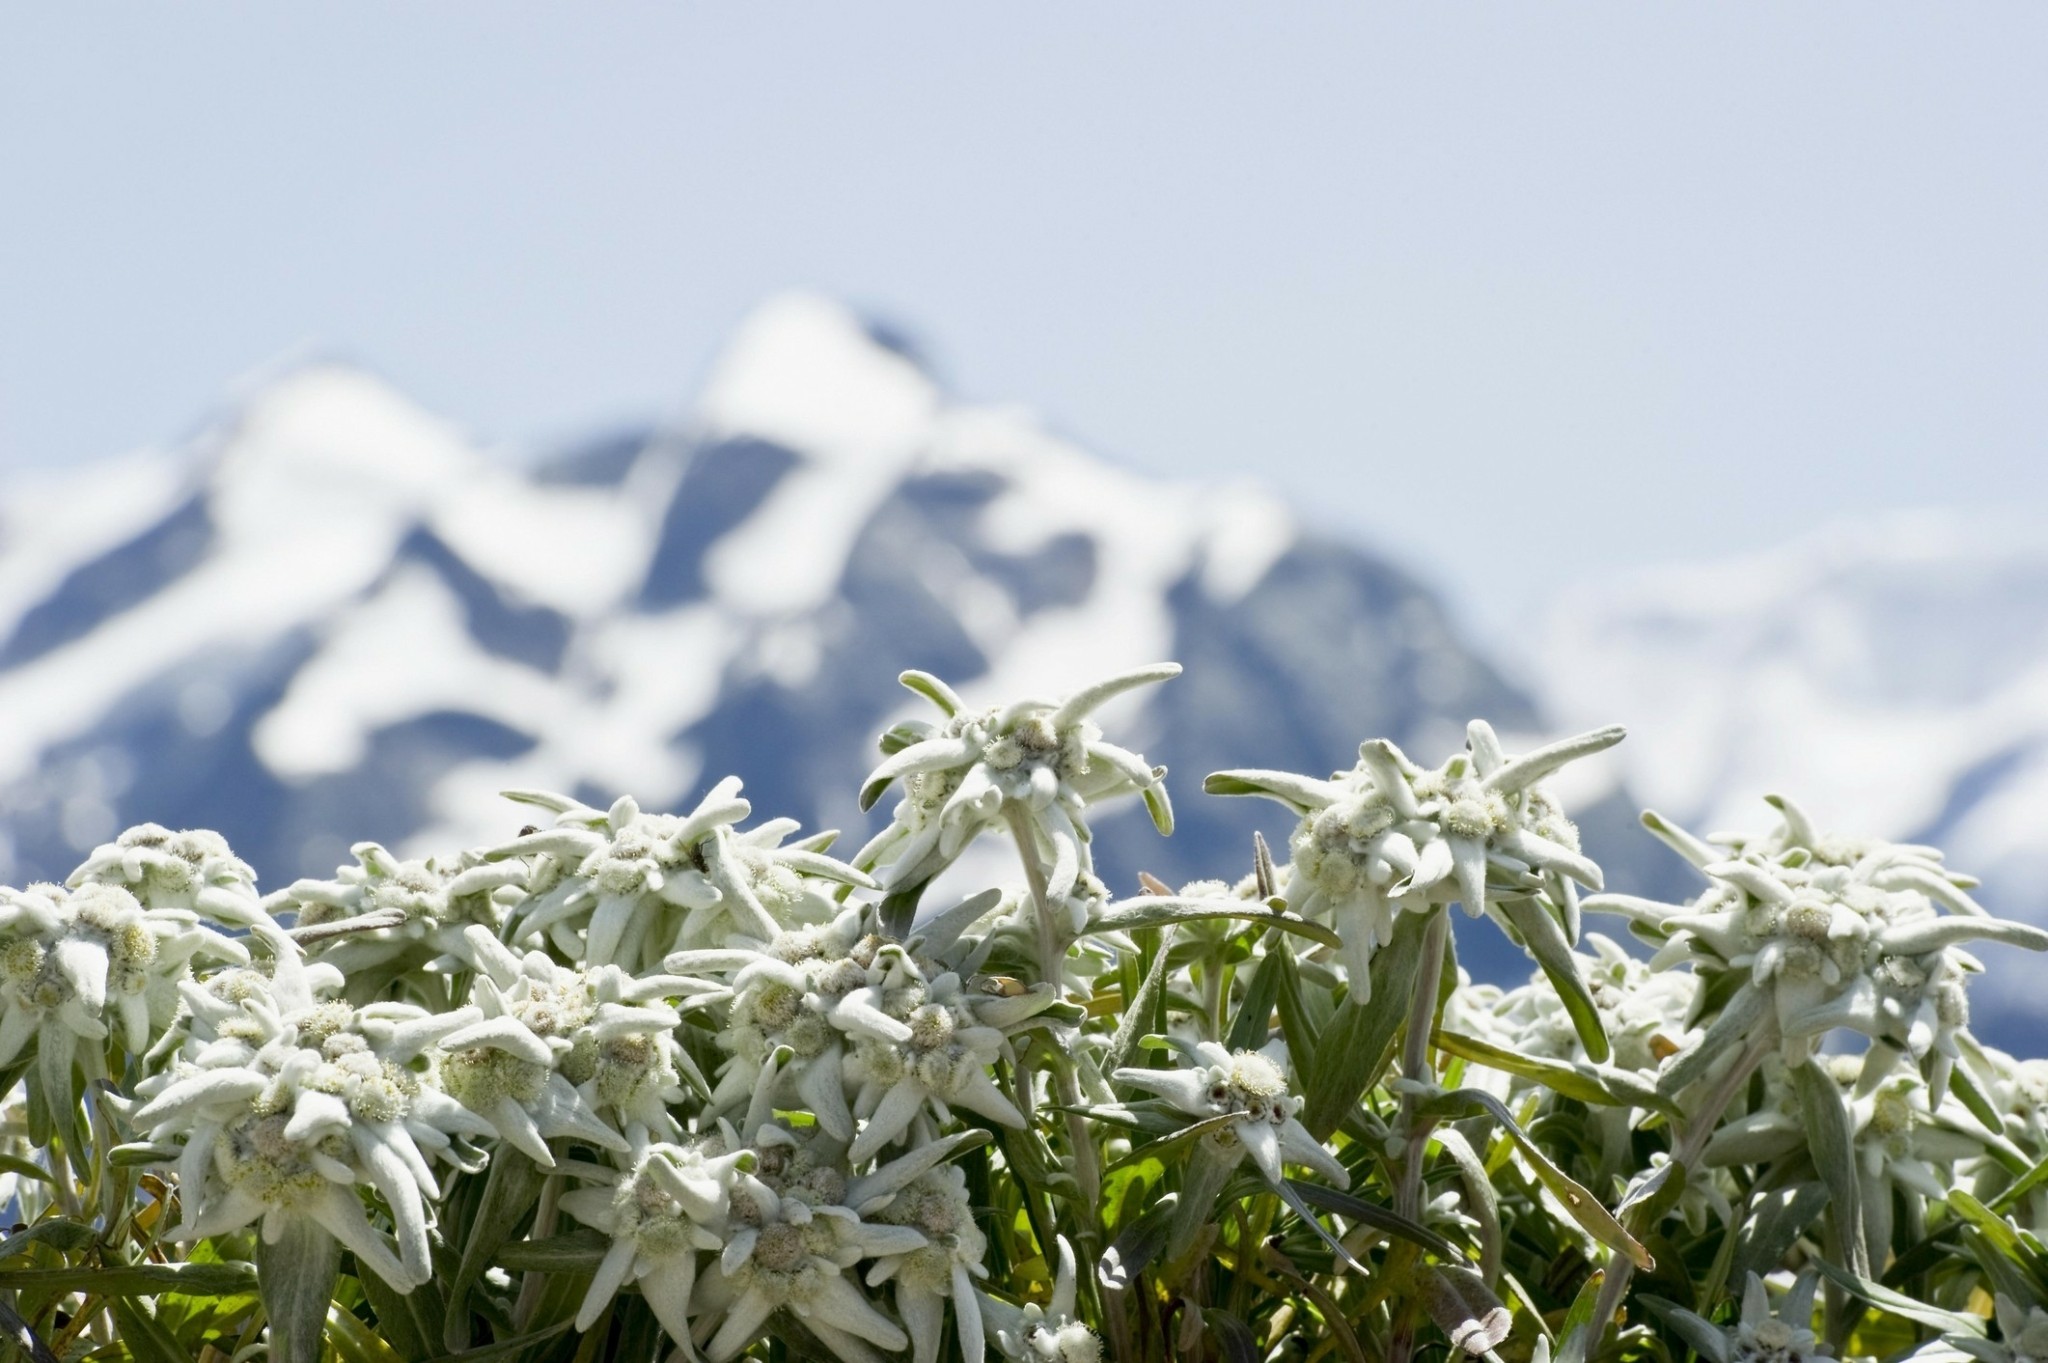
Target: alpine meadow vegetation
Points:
(639, 1086)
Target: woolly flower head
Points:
(1043, 757)
(194, 869)
(1388, 836)
(1250, 1088)
(74, 961)
(1830, 932)
(1050, 1333)
(297, 1099)
(626, 887)
(383, 913)
(1644, 1011)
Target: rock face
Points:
(1890, 675)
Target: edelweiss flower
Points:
(1903, 1139)
(296, 1100)
(555, 1045)
(1388, 836)
(670, 1204)
(1830, 932)
(641, 885)
(936, 1205)
(1040, 756)
(383, 913)
(194, 869)
(1250, 1088)
(786, 1252)
(1758, 1336)
(1044, 1334)
(70, 957)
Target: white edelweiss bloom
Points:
(1250, 1088)
(1904, 1140)
(1828, 932)
(1044, 1334)
(1042, 757)
(624, 887)
(556, 1044)
(298, 1099)
(955, 1035)
(670, 1204)
(79, 964)
(936, 1205)
(383, 915)
(193, 869)
(1759, 1336)
(1388, 836)
(790, 1248)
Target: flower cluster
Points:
(686, 1082)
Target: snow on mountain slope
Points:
(1891, 676)
(333, 617)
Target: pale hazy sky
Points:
(1488, 285)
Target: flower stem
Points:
(1416, 1068)
(1698, 1132)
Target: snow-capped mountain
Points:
(1891, 676)
(333, 618)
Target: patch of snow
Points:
(1250, 529)
(803, 374)
(402, 653)
(52, 522)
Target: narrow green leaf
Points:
(355, 1342)
(135, 1280)
(1131, 1027)
(59, 1233)
(1701, 1336)
(1254, 1020)
(144, 1335)
(933, 690)
(1351, 1053)
(1298, 1026)
(1780, 1217)
(1584, 1208)
(1380, 1218)
(583, 1248)
(1898, 1303)
(2031, 1180)
(503, 1349)
(511, 1189)
(1584, 1083)
(1545, 938)
(1573, 1334)
(1233, 1337)
(1155, 911)
(14, 1164)
(1830, 1138)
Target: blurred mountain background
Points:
(332, 617)
(1387, 366)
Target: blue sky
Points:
(1493, 287)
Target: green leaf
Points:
(583, 1249)
(19, 1330)
(1583, 1207)
(1379, 1218)
(1155, 911)
(1598, 1086)
(506, 1348)
(14, 1164)
(1573, 1342)
(1233, 1337)
(1831, 1140)
(1700, 1335)
(134, 1280)
(1899, 1304)
(1138, 1010)
(59, 1233)
(511, 1189)
(1254, 1020)
(1351, 1053)
(144, 1335)
(1778, 1220)
(355, 1342)
(2031, 1180)
(1545, 939)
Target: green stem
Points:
(1087, 1169)
(1416, 1068)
